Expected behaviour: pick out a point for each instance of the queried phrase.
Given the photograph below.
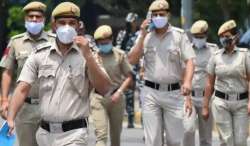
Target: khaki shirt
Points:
(63, 82)
(18, 50)
(164, 56)
(230, 70)
(201, 61)
(116, 66)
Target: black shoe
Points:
(131, 126)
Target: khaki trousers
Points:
(231, 119)
(195, 120)
(27, 123)
(162, 108)
(76, 137)
(107, 115)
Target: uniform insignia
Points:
(18, 36)
(43, 46)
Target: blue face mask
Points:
(34, 27)
(105, 48)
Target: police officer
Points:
(108, 112)
(16, 53)
(203, 52)
(228, 84)
(64, 68)
(125, 41)
(126, 38)
(166, 49)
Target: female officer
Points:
(228, 80)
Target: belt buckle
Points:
(163, 87)
(198, 93)
(232, 97)
(55, 127)
(34, 101)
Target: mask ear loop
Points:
(235, 38)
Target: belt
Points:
(31, 100)
(238, 96)
(170, 87)
(110, 93)
(64, 126)
(198, 93)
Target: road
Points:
(134, 137)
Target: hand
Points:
(11, 126)
(4, 109)
(141, 74)
(188, 106)
(83, 43)
(186, 89)
(205, 112)
(144, 27)
(116, 97)
(248, 108)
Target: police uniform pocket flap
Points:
(77, 71)
(47, 71)
(22, 55)
(173, 54)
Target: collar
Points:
(105, 54)
(54, 48)
(43, 36)
(204, 47)
(234, 50)
(169, 29)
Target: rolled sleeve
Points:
(187, 51)
(211, 65)
(29, 71)
(8, 60)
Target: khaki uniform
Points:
(163, 62)
(230, 115)
(63, 92)
(104, 113)
(198, 85)
(17, 51)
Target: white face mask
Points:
(34, 27)
(66, 34)
(160, 21)
(199, 43)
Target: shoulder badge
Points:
(43, 46)
(18, 36)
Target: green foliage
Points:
(214, 11)
(15, 21)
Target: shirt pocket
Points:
(77, 80)
(21, 58)
(221, 70)
(149, 53)
(241, 70)
(174, 55)
(46, 76)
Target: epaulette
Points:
(219, 51)
(17, 36)
(51, 34)
(242, 49)
(43, 46)
(212, 45)
(177, 29)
